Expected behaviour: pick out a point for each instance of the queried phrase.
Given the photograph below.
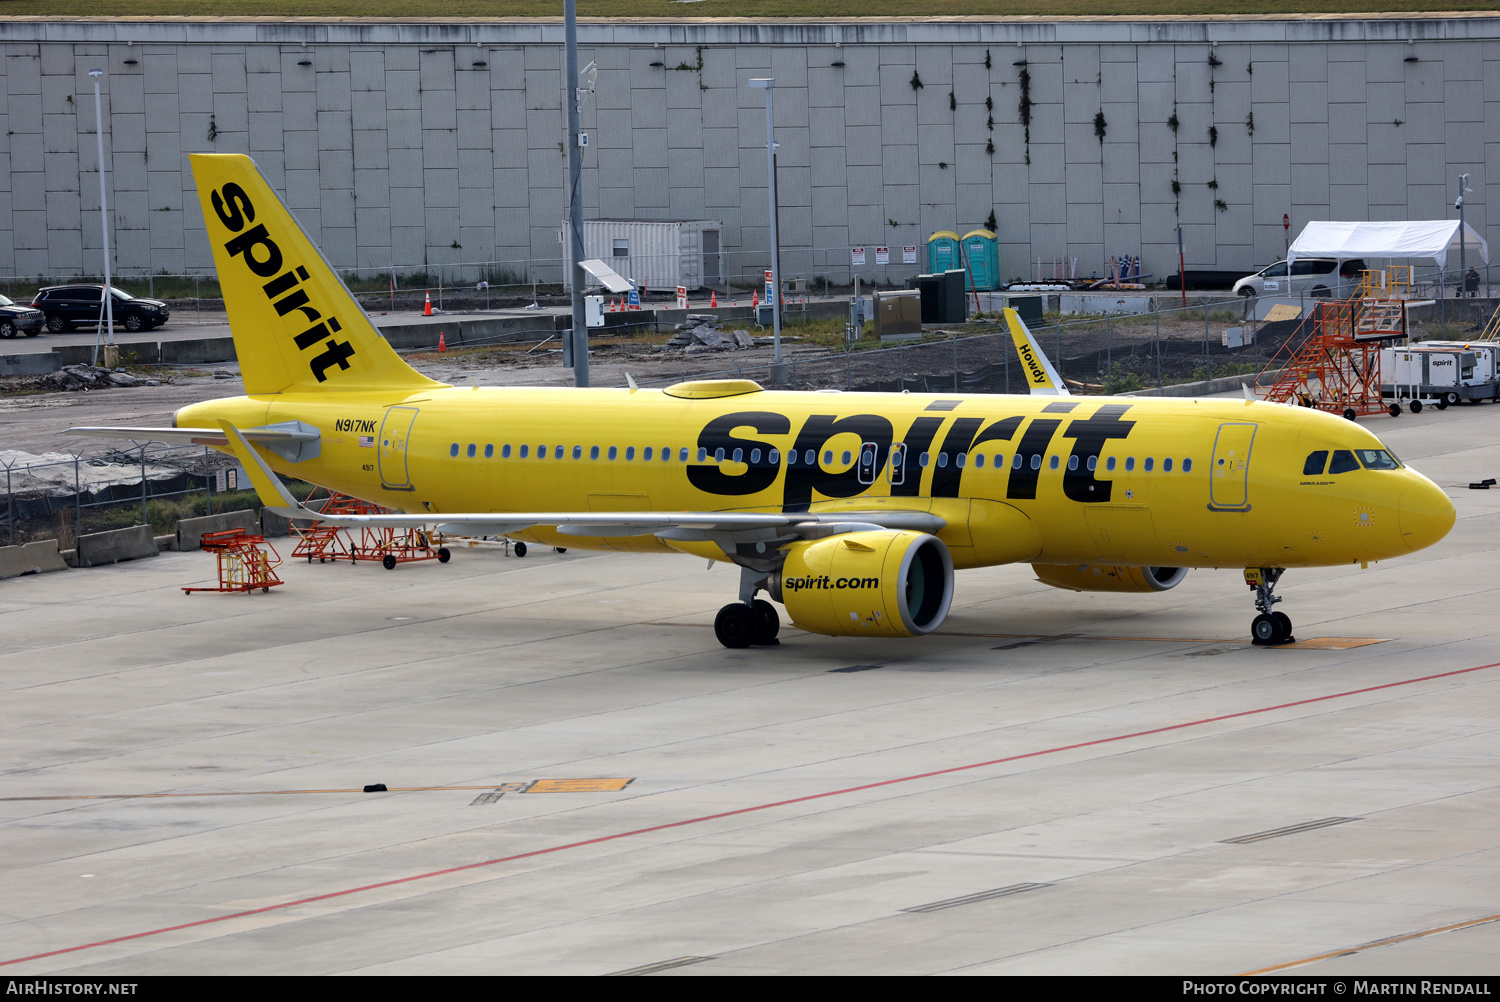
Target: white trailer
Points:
(1441, 374)
(657, 254)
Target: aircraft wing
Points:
(680, 525)
(1040, 376)
(290, 432)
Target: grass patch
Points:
(429, 10)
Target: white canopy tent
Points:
(1435, 239)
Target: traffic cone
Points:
(755, 298)
(427, 306)
(442, 342)
(713, 300)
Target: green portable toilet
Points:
(942, 252)
(982, 251)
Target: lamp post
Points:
(580, 334)
(110, 357)
(1463, 271)
(767, 84)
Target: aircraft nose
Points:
(1426, 514)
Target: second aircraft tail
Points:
(1040, 376)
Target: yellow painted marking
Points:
(540, 786)
(579, 785)
(1332, 643)
(1391, 941)
(1282, 311)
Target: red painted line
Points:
(743, 810)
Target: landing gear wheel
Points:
(388, 562)
(1285, 623)
(520, 549)
(736, 625)
(767, 622)
(1349, 414)
(1416, 406)
(1395, 410)
(443, 555)
(1264, 629)
(560, 549)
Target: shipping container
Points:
(659, 255)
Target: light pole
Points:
(109, 299)
(1463, 271)
(580, 334)
(768, 84)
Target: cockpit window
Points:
(1315, 463)
(1377, 459)
(1343, 462)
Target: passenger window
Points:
(1053, 463)
(718, 455)
(453, 450)
(1149, 463)
(923, 459)
(1015, 462)
(472, 450)
(1109, 464)
(489, 451)
(1093, 464)
(613, 452)
(809, 458)
(505, 451)
(702, 454)
(594, 452)
(629, 452)
(559, 453)
(541, 452)
(961, 459)
(1129, 464)
(646, 454)
(827, 457)
(755, 456)
(848, 457)
(1166, 465)
(942, 460)
(683, 455)
(774, 458)
(739, 455)
(1343, 462)
(1036, 461)
(1187, 466)
(979, 460)
(525, 450)
(577, 452)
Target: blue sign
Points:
(635, 297)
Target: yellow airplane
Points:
(852, 510)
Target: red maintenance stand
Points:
(246, 562)
(389, 546)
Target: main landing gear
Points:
(1269, 629)
(751, 620)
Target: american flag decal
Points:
(367, 441)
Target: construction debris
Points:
(93, 377)
(704, 332)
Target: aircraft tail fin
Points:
(1040, 376)
(296, 327)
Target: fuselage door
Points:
(1229, 473)
(897, 470)
(395, 432)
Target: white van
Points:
(1312, 276)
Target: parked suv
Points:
(14, 317)
(66, 306)
(1315, 276)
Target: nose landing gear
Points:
(1268, 629)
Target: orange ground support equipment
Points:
(1336, 366)
(387, 545)
(246, 562)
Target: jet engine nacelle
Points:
(1091, 577)
(886, 583)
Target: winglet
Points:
(1040, 376)
(273, 493)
